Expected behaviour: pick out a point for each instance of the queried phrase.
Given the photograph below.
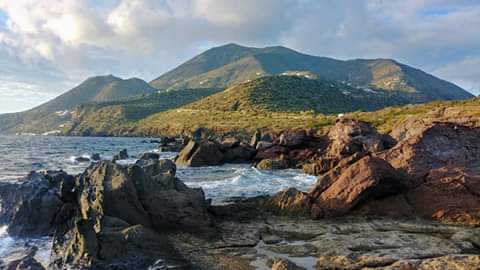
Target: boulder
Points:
(272, 164)
(82, 159)
(290, 202)
(292, 138)
(196, 154)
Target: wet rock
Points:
(122, 155)
(272, 164)
(96, 157)
(82, 159)
(26, 263)
(30, 206)
(147, 156)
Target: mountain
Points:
(97, 89)
(233, 87)
(231, 64)
(54, 113)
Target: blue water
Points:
(21, 154)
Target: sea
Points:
(20, 155)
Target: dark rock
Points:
(26, 263)
(30, 206)
(120, 212)
(96, 157)
(292, 138)
(122, 155)
(283, 264)
(82, 159)
(147, 156)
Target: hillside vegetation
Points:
(231, 64)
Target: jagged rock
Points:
(120, 211)
(168, 201)
(147, 156)
(272, 164)
(450, 262)
(122, 155)
(346, 138)
(26, 263)
(30, 206)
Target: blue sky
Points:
(50, 46)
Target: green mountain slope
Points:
(231, 64)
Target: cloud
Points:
(465, 72)
(67, 40)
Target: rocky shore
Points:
(407, 200)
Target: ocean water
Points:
(21, 154)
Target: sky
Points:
(49, 46)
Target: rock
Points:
(122, 155)
(448, 194)
(290, 202)
(30, 206)
(120, 211)
(96, 157)
(272, 164)
(367, 179)
(450, 262)
(282, 264)
(255, 138)
(292, 138)
(346, 138)
(434, 146)
(26, 263)
(196, 154)
(273, 152)
(82, 159)
(147, 156)
(168, 201)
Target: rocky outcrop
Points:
(293, 147)
(122, 155)
(342, 189)
(434, 146)
(210, 153)
(32, 206)
(272, 164)
(346, 138)
(121, 213)
(148, 156)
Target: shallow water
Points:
(21, 154)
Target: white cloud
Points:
(465, 72)
(68, 40)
